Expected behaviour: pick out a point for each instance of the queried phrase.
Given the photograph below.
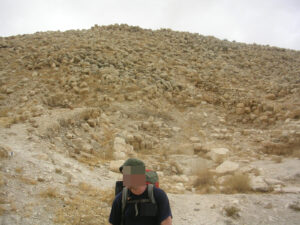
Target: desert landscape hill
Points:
(219, 121)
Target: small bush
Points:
(50, 192)
(204, 178)
(277, 159)
(232, 211)
(238, 183)
(295, 206)
(27, 180)
(19, 170)
(89, 206)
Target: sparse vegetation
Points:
(89, 206)
(27, 180)
(204, 180)
(50, 192)
(277, 159)
(172, 96)
(238, 183)
(232, 211)
(295, 206)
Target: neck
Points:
(138, 190)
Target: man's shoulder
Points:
(159, 193)
(118, 198)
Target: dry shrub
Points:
(176, 165)
(4, 152)
(232, 211)
(27, 180)
(277, 159)
(89, 113)
(50, 192)
(107, 143)
(19, 170)
(2, 181)
(90, 206)
(204, 178)
(295, 206)
(2, 211)
(4, 112)
(56, 100)
(272, 148)
(238, 183)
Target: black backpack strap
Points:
(124, 201)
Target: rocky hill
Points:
(211, 116)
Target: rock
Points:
(115, 165)
(227, 166)
(291, 189)
(85, 126)
(121, 149)
(119, 155)
(199, 148)
(270, 96)
(186, 149)
(218, 154)
(182, 178)
(259, 184)
(92, 122)
(271, 181)
(189, 164)
(176, 129)
(240, 111)
(195, 139)
(121, 146)
(69, 135)
(87, 147)
(179, 188)
(240, 105)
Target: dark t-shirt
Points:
(162, 201)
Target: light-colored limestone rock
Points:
(218, 154)
(115, 165)
(259, 184)
(227, 166)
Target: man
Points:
(140, 208)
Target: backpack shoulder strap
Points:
(150, 193)
(124, 200)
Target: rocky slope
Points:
(211, 116)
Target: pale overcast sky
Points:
(273, 22)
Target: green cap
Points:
(132, 162)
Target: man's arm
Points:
(167, 221)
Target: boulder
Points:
(227, 166)
(195, 139)
(122, 149)
(119, 155)
(188, 165)
(218, 154)
(259, 184)
(115, 165)
(121, 146)
(291, 189)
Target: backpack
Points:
(149, 207)
(151, 178)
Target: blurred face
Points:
(134, 176)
